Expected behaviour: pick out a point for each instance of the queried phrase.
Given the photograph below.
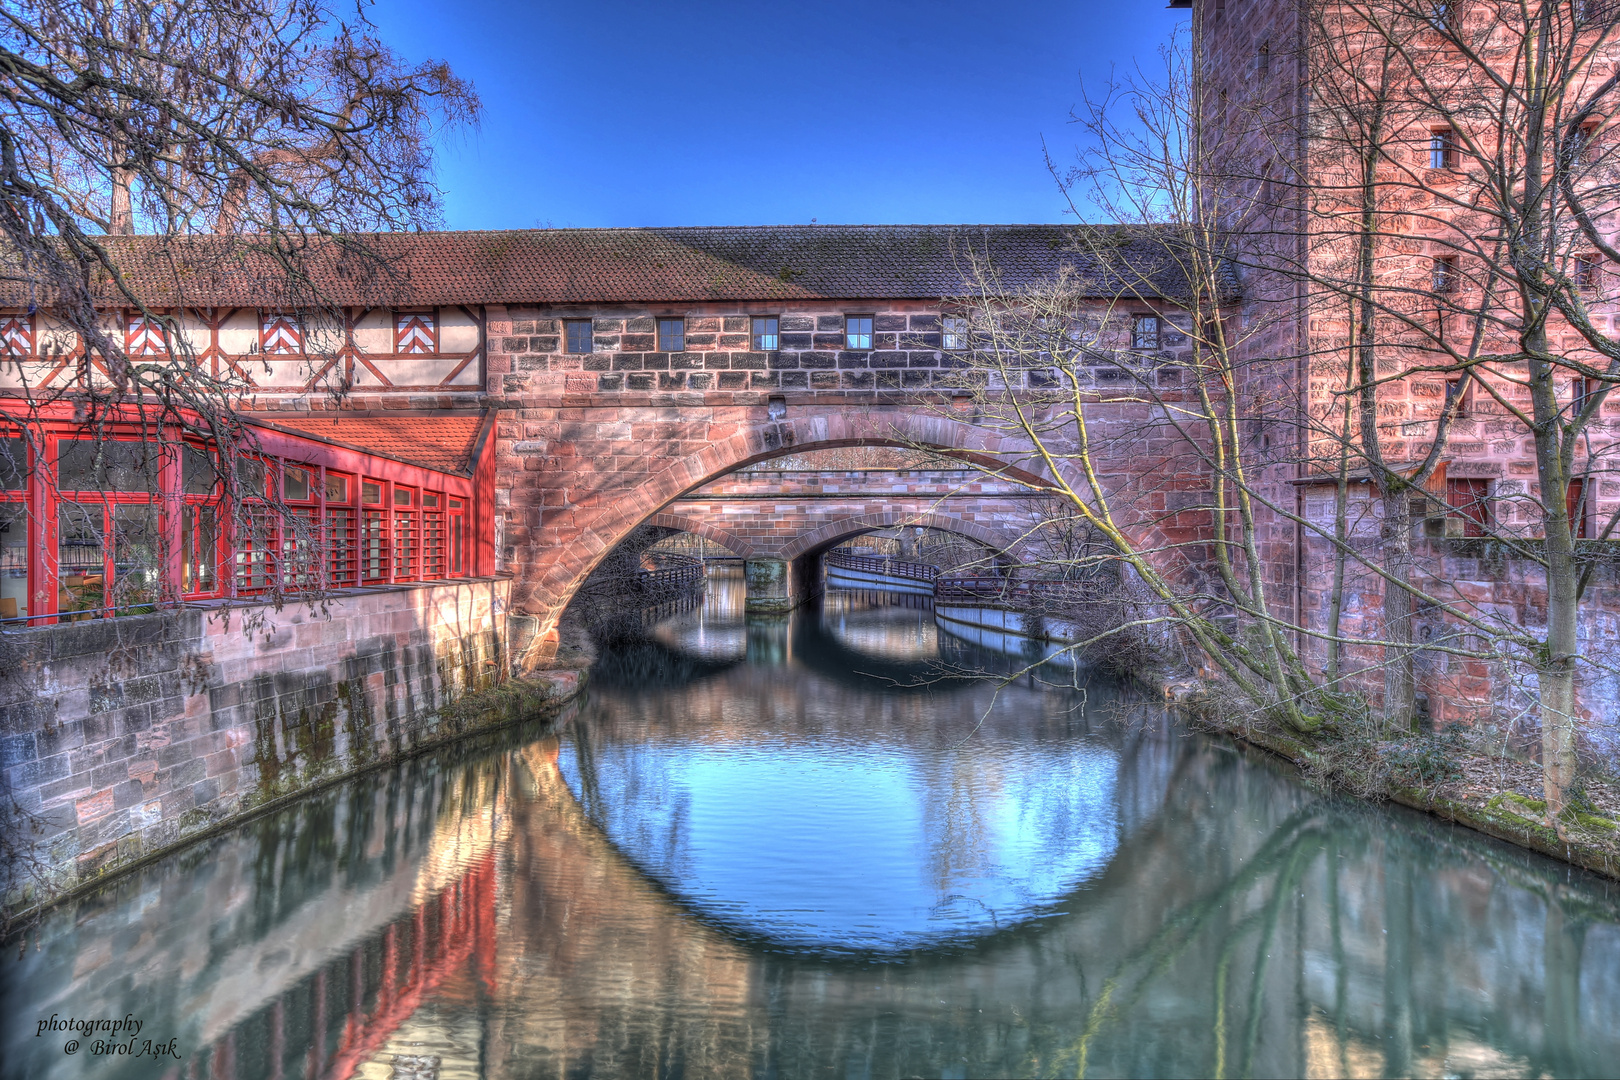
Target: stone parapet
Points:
(121, 738)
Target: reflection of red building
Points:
(132, 514)
(338, 1018)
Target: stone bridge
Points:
(776, 518)
(575, 475)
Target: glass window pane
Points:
(430, 499)
(13, 464)
(252, 476)
(81, 556)
(403, 496)
(137, 543)
(199, 542)
(296, 484)
(765, 334)
(107, 465)
(370, 492)
(337, 488)
(13, 560)
(198, 475)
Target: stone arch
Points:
(557, 559)
(726, 539)
(1002, 541)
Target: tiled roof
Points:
(446, 443)
(595, 266)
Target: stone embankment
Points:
(121, 739)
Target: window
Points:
(857, 331)
(1588, 12)
(1581, 391)
(1262, 60)
(433, 555)
(1588, 274)
(374, 561)
(1442, 14)
(1582, 142)
(1442, 148)
(458, 536)
(1468, 507)
(416, 332)
(143, 336)
(1454, 386)
(577, 335)
(1145, 332)
(767, 336)
(671, 335)
(17, 335)
(956, 332)
(1445, 274)
(280, 334)
(341, 565)
(13, 527)
(406, 538)
(1575, 503)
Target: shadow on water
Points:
(774, 865)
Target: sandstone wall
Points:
(122, 737)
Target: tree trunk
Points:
(1555, 674)
(1400, 682)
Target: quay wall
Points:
(120, 738)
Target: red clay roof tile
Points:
(445, 443)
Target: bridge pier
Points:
(771, 587)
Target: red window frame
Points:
(376, 549)
(95, 592)
(21, 498)
(460, 541)
(339, 493)
(406, 505)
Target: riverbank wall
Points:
(122, 738)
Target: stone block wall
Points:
(1479, 577)
(122, 737)
(526, 351)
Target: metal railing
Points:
(869, 564)
(1014, 594)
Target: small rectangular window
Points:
(296, 484)
(1145, 332)
(17, 335)
(671, 335)
(144, 336)
(416, 332)
(1587, 274)
(857, 331)
(337, 488)
(1579, 508)
(1445, 274)
(1468, 503)
(280, 334)
(371, 492)
(404, 497)
(577, 335)
(1453, 388)
(766, 337)
(1442, 149)
(430, 499)
(13, 463)
(956, 332)
(1262, 60)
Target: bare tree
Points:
(1461, 153)
(152, 148)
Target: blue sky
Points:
(757, 112)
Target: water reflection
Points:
(498, 911)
